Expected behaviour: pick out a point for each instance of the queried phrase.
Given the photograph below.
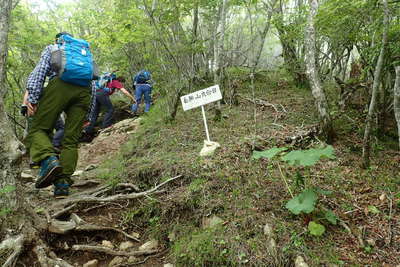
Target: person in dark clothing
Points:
(103, 100)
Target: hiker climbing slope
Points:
(68, 90)
(143, 88)
(107, 85)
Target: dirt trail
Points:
(86, 226)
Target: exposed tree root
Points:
(13, 247)
(118, 197)
(111, 251)
(78, 224)
(61, 212)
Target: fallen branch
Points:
(262, 103)
(111, 251)
(118, 197)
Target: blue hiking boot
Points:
(49, 169)
(61, 189)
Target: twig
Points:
(345, 226)
(284, 179)
(283, 108)
(390, 221)
(260, 102)
(111, 251)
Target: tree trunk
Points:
(375, 87)
(219, 38)
(264, 33)
(10, 147)
(313, 76)
(397, 100)
(10, 154)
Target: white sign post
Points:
(199, 99)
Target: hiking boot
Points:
(61, 189)
(49, 169)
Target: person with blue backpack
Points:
(143, 88)
(70, 68)
(107, 85)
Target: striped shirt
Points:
(38, 76)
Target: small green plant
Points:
(305, 202)
(3, 191)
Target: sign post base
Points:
(209, 148)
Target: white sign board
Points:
(201, 98)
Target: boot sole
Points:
(49, 178)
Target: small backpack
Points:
(101, 83)
(72, 60)
(142, 76)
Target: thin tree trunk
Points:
(313, 76)
(264, 33)
(194, 36)
(219, 38)
(375, 87)
(397, 100)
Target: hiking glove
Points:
(24, 110)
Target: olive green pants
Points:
(59, 96)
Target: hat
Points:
(63, 33)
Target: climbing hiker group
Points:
(68, 107)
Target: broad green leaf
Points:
(269, 154)
(316, 228)
(308, 157)
(331, 217)
(373, 209)
(304, 202)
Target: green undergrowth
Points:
(245, 193)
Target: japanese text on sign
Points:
(201, 98)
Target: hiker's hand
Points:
(31, 109)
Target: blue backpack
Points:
(72, 60)
(101, 83)
(142, 76)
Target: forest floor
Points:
(215, 211)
